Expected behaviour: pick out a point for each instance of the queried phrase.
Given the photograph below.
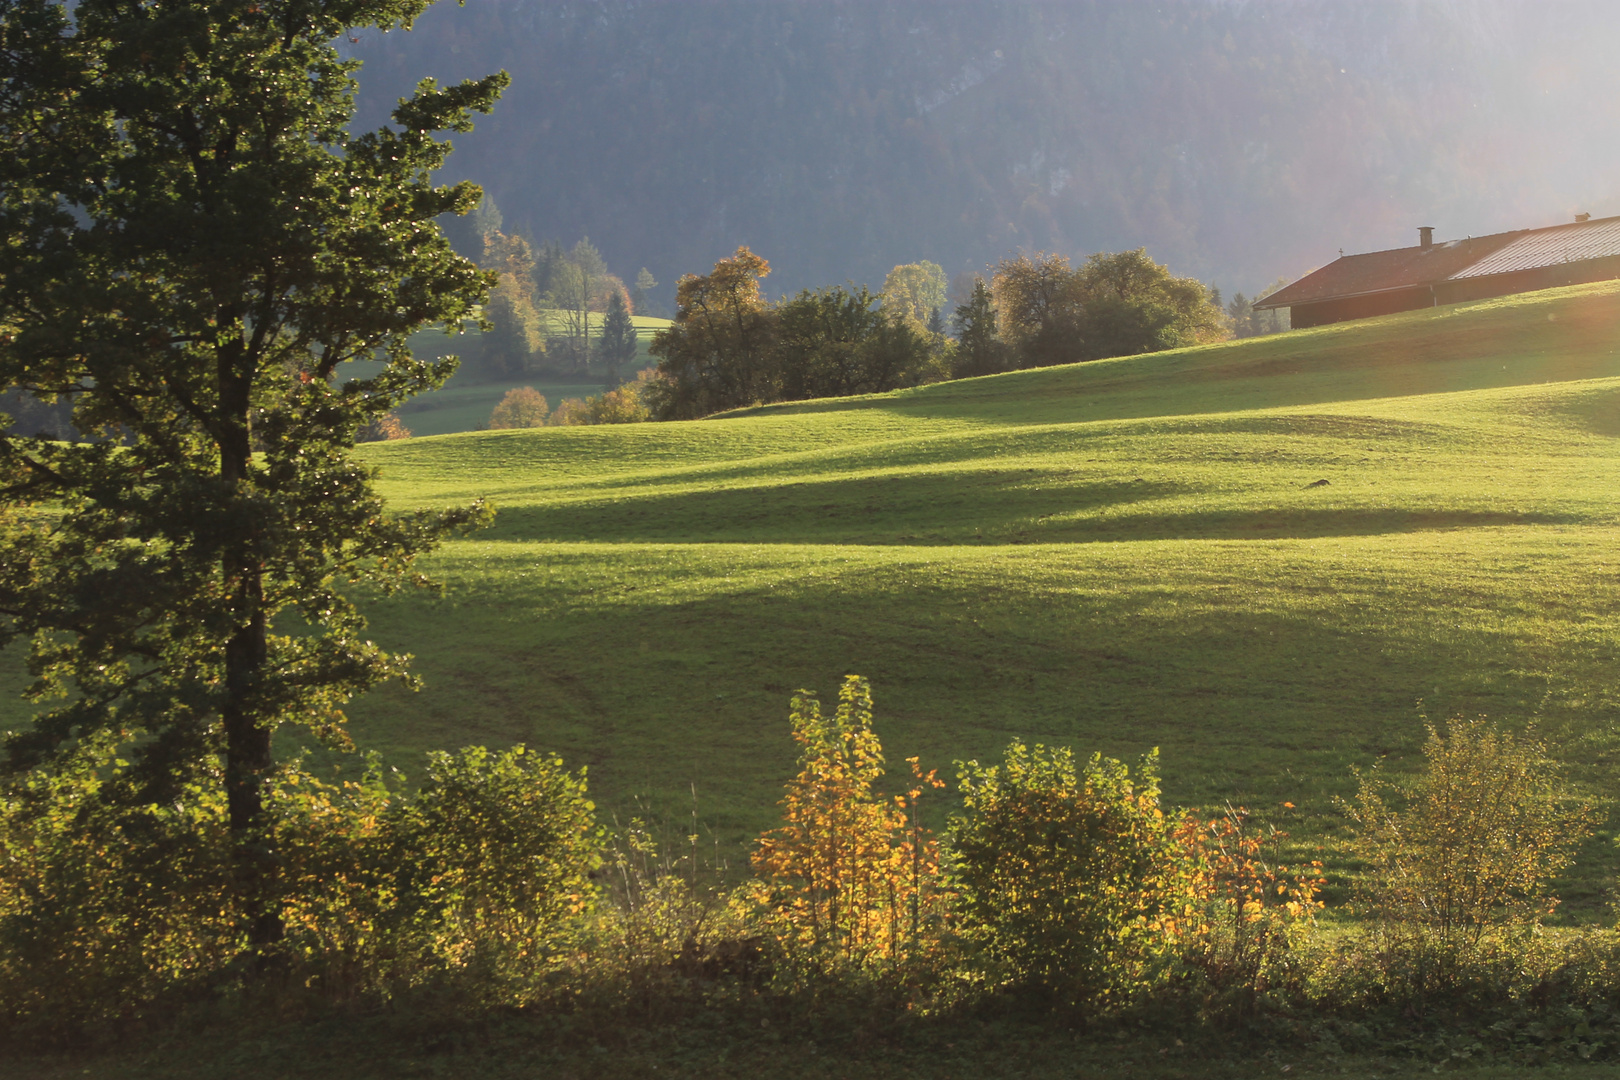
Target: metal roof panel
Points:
(1554, 246)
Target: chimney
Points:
(1425, 236)
(1583, 217)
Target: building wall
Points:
(1324, 312)
(1361, 307)
(1520, 281)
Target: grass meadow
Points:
(1118, 555)
(1270, 558)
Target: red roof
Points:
(1383, 271)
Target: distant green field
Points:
(1117, 555)
(464, 403)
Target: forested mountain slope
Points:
(1237, 141)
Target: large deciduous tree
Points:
(718, 354)
(1114, 305)
(836, 342)
(194, 245)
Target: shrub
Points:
(850, 878)
(109, 905)
(1255, 910)
(1471, 843)
(105, 906)
(1069, 878)
(522, 407)
(382, 429)
(494, 857)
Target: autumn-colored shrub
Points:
(382, 429)
(850, 877)
(522, 407)
(1255, 910)
(1069, 878)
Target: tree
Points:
(642, 299)
(1039, 308)
(570, 298)
(521, 407)
(1243, 316)
(514, 340)
(196, 243)
(1132, 305)
(617, 347)
(914, 289)
(836, 342)
(1115, 305)
(979, 348)
(717, 354)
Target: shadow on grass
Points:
(976, 506)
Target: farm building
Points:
(1430, 274)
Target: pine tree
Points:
(617, 348)
(196, 244)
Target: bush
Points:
(106, 906)
(1070, 880)
(109, 906)
(522, 407)
(850, 878)
(1255, 911)
(1460, 858)
(1471, 843)
(382, 428)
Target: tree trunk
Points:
(248, 757)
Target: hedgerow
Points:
(1061, 881)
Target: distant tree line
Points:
(730, 348)
(1247, 321)
(556, 310)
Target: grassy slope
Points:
(1117, 555)
(465, 406)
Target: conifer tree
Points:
(618, 344)
(196, 243)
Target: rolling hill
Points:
(1271, 558)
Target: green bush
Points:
(1472, 841)
(1460, 858)
(1070, 879)
(109, 906)
(105, 906)
(495, 854)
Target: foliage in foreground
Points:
(107, 909)
(1061, 881)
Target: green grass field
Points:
(464, 403)
(1117, 556)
